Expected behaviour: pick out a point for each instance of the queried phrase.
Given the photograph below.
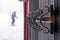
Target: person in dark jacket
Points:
(13, 17)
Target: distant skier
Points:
(13, 17)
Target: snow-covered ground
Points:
(8, 32)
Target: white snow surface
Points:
(8, 32)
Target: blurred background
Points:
(8, 32)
